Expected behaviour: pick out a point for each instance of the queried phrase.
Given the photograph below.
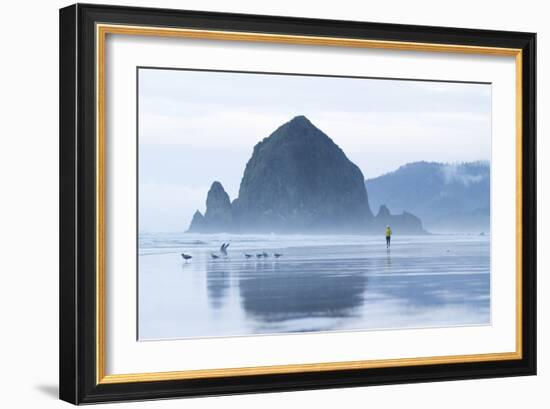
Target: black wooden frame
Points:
(78, 211)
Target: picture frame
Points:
(84, 214)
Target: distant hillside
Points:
(447, 197)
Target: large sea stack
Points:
(297, 181)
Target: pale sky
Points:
(197, 127)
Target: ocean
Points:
(319, 283)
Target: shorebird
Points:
(247, 255)
(223, 248)
(186, 256)
(277, 255)
(259, 255)
(214, 256)
(265, 254)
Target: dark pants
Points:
(388, 238)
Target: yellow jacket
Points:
(388, 232)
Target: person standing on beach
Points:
(388, 236)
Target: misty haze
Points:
(309, 203)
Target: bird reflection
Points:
(217, 284)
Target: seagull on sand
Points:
(247, 255)
(223, 248)
(186, 256)
(265, 254)
(259, 255)
(214, 256)
(277, 255)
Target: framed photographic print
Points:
(257, 203)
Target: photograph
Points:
(277, 203)
(259, 202)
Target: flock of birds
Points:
(223, 253)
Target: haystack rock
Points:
(297, 181)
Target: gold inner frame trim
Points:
(101, 33)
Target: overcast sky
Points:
(197, 127)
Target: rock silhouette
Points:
(296, 181)
(218, 216)
(405, 223)
(299, 180)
